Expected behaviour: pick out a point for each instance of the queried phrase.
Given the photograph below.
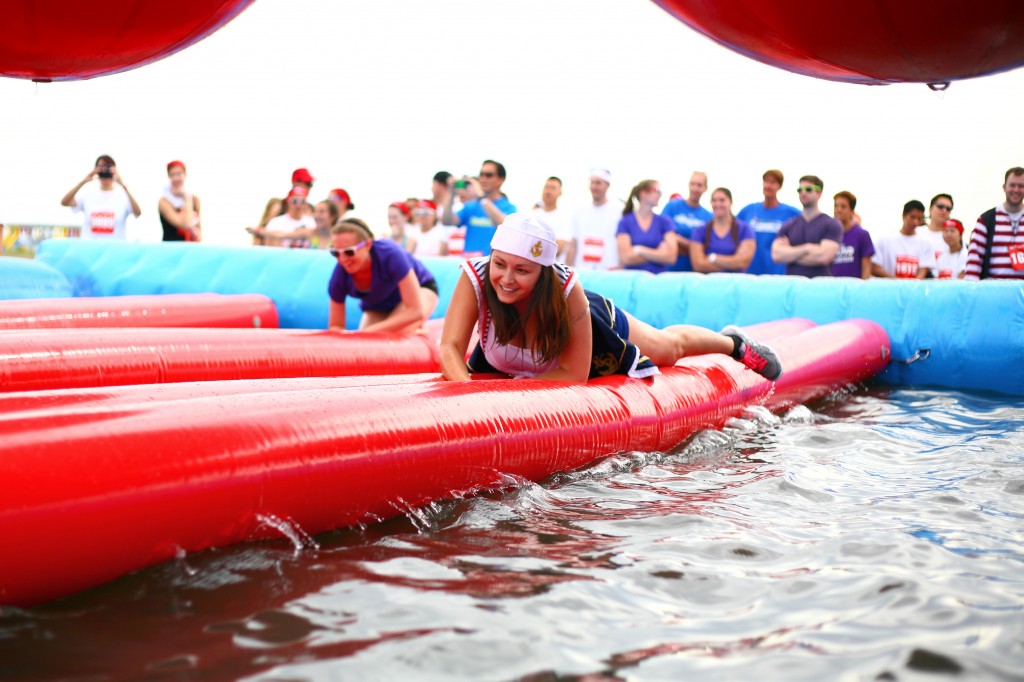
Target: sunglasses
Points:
(944, 207)
(488, 175)
(807, 190)
(349, 252)
(296, 200)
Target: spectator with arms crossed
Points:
(808, 243)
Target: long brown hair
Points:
(635, 192)
(554, 329)
(734, 228)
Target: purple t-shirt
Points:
(800, 231)
(724, 246)
(856, 246)
(652, 237)
(389, 264)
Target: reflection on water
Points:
(877, 536)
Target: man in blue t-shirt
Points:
(688, 214)
(766, 218)
(808, 243)
(482, 215)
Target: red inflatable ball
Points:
(59, 40)
(873, 42)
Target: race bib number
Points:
(906, 267)
(593, 250)
(457, 243)
(102, 222)
(1016, 256)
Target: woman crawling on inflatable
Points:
(534, 321)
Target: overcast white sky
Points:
(377, 96)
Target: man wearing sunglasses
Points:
(295, 217)
(939, 211)
(808, 243)
(482, 214)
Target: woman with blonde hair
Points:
(397, 293)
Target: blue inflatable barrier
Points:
(295, 279)
(964, 335)
(26, 278)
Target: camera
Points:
(461, 184)
(104, 172)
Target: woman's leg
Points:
(665, 346)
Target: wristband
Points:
(712, 258)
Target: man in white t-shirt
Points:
(294, 217)
(594, 226)
(905, 255)
(938, 213)
(556, 219)
(433, 238)
(105, 207)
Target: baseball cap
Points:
(302, 175)
(342, 196)
(953, 222)
(401, 206)
(298, 191)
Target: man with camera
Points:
(105, 207)
(482, 214)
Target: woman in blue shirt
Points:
(397, 293)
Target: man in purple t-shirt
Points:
(854, 257)
(808, 243)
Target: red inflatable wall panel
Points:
(111, 480)
(165, 310)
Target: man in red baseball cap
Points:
(301, 177)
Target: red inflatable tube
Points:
(81, 358)
(103, 486)
(164, 310)
(52, 359)
(151, 394)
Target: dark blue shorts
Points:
(609, 313)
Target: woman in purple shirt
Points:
(724, 244)
(397, 293)
(646, 240)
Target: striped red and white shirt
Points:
(1008, 232)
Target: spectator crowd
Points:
(461, 214)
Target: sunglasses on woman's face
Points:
(349, 252)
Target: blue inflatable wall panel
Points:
(26, 278)
(966, 335)
(295, 279)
